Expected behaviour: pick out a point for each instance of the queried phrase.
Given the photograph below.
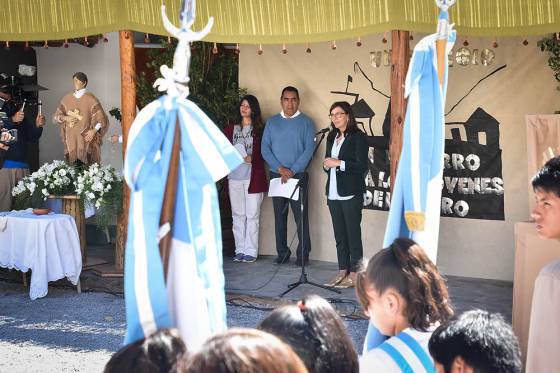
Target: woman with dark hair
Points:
(316, 333)
(157, 353)
(345, 162)
(243, 351)
(248, 182)
(405, 298)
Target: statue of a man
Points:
(82, 123)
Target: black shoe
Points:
(299, 262)
(284, 259)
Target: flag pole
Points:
(443, 29)
(441, 59)
(170, 194)
(175, 82)
(169, 199)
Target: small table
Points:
(46, 244)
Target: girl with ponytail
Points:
(313, 329)
(405, 298)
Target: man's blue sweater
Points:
(288, 142)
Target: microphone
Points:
(324, 130)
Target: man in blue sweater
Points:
(287, 147)
(15, 165)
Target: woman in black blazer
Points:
(346, 164)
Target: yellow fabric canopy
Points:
(275, 21)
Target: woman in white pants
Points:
(248, 182)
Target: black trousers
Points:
(347, 218)
(280, 205)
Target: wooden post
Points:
(128, 112)
(399, 67)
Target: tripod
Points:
(303, 191)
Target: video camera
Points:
(7, 109)
(8, 106)
(19, 93)
(12, 138)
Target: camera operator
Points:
(15, 165)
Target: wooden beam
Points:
(128, 112)
(399, 66)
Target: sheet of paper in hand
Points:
(277, 189)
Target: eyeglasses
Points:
(336, 115)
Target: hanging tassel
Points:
(147, 39)
(333, 46)
(105, 38)
(86, 41)
(308, 49)
(46, 45)
(284, 50)
(65, 43)
(525, 42)
(237, 48)
(26, 45)
(7, 45)
(260, 50)
(215, 49)
(384, 40)
(466, 43)
(411, 37)
(495, 44)
(359, 42)
(168, 39)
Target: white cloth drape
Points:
(48, 245)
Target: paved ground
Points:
(265, 279)
(70, 332)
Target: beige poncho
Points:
(89, 112)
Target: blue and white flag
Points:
(416, 199)
(193, 300)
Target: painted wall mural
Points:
(472, 185)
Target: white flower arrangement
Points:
(96, 186)
(94, 183)
(55, 178)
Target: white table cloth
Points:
(46, 244)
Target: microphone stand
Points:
(303, 276)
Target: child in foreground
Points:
(405, 298)
(314, 330)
